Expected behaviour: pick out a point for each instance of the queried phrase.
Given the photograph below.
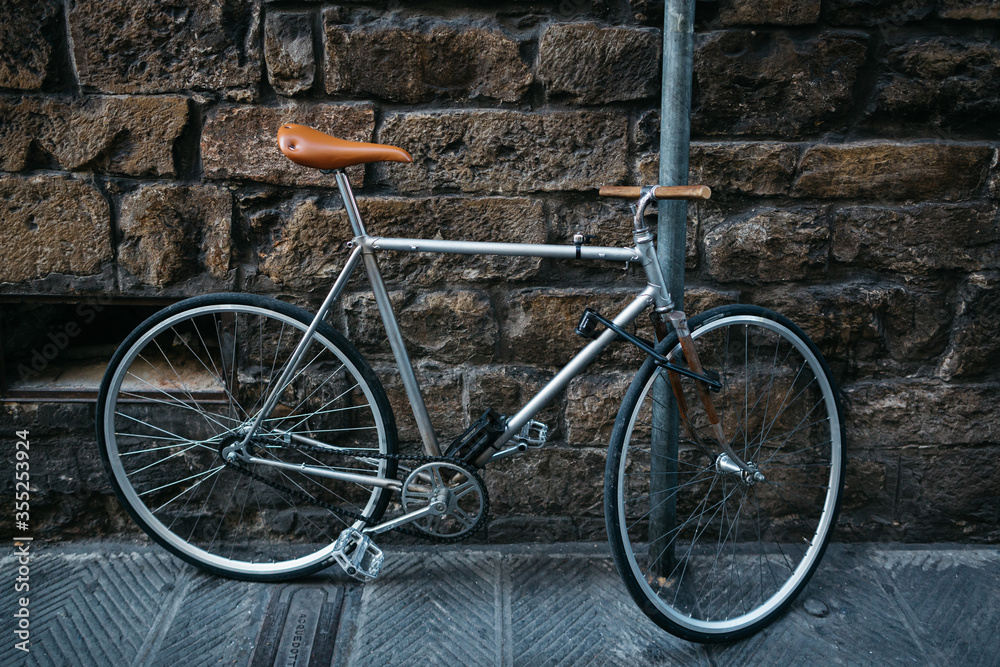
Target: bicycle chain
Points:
(354, 516)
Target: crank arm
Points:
(430, 510)
(354, 478)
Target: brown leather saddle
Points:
(312, 148)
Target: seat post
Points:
(353, 214)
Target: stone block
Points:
(942, 82)
(768, 245)
(521, 529)
(974, 349)
(921, 493)
(120, 135)
(300, 244)
(147, 46)
(647, 12)
(609, 221)
(884, 13)
(949, 493)
(864, 484)
(507, 151)
(455, 326)
(495, 219)
(551, 481)
(762, 169)
(842, 319)
(916, 321)
(592, 403)
(442, 392)
(893, 171)
(777, 12)
(52, 224)
(754, 83)
(240, 142)
(592, 64)
(866, 329)
(419, 60)
(171, 233)
(738, 168)
(288, 51)
(922, 412)
(27, 33)
(508, 388)
(698, 299)
(975, 10)
(538, 325)
(917, 239)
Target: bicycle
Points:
(251, 439)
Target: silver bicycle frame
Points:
(365, 246)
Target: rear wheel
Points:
(187, 383)
(710, 551)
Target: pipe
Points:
(675, 139)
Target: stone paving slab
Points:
(122, 604)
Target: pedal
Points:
(533, 434)
(357, 555)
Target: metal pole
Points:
(675, 137)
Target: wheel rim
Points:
(721, 576)
(169, 413)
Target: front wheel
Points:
(188, 383)
(709, 550)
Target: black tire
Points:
(707, 550)
(180, 388)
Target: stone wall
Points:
(851, 146)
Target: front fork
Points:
(678, 320)
(665, 311)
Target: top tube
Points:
(508, 249)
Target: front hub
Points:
(726, 465)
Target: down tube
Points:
(576, 366)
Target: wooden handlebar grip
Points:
(662, 191)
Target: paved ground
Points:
(111, 604)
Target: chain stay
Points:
(420, 459)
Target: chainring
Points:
(458, 487)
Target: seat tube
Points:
(403, 364)
(347, 195)
(395, 336)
